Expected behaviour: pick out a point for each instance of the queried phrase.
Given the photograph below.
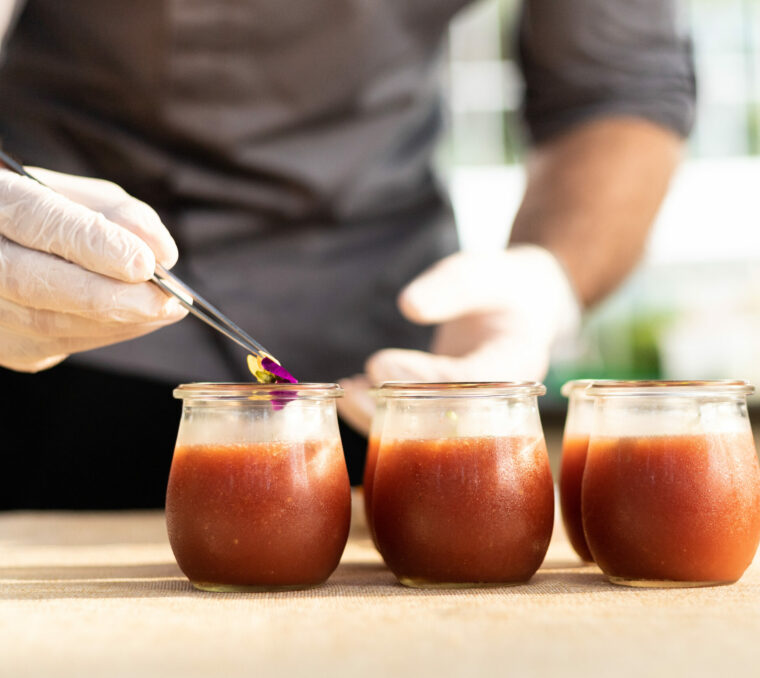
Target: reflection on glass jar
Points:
(671, 488)
(258, 495)
(580, 409)
(373, 445)
(463, 493)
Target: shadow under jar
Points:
(671, 487)
(580, 410)
(462, 494)
(258, 495)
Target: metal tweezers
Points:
(208, 313)
(186, 296)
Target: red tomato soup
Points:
(369, 477)
(267, 515)
(681, 508)
(463, 510)
(574, 449)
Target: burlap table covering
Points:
(100, 595)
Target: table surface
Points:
(99, 594)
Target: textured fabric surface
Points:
(99, 594)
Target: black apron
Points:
(286, 145)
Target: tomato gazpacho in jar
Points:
(462, 492)
(258, 495)
(671, 487)
(373, 445)
(580, 409)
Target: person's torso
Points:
(286, 144)
(294, 110)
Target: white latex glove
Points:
(498, 316)
(73, 266)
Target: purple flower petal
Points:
(268, 371)
(284, 399)
(280, 373)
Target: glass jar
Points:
(580, 411)
(373, 445)
(258, 495)
(463, 493)
(671, 487)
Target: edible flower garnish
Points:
(268, 371)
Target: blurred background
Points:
(692, 309)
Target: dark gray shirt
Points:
(288, 145)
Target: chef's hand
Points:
(498, 316)
(74, 262)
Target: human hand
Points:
(498, 315)
(74, 262)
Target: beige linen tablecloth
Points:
(100, 595)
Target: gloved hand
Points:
(498, 316)
(73, 266)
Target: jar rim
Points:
(450, 389)
(570, 387)
(209, 390)
(667, 387)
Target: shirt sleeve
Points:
(583, 59)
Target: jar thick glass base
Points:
(664, 583)
(427, 584)
(242, 588)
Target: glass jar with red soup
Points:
(258, 495)
(462, 493)
(671, 485)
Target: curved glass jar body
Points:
(373, 445)
(671, 487)
(580, 410)
(463, 493)
(258, 495)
